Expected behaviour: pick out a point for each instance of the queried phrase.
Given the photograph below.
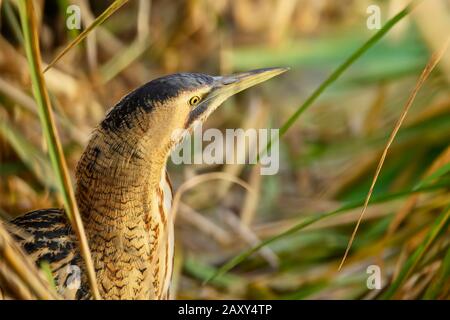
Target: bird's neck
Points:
(116, 176)
(119, 197)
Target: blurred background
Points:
(328, 157)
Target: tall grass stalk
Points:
(14, 260)
(31, 43)
(339, 71)
(423, 77)
(293, 118)
(439, 225)
(318, 217)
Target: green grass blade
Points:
(11, 18)
(44, 107)
(47, 270)
(122, 60)
(441, 279)
(202, 271)
(440, 223)
(445, 169)
(317, 217)
(340, 70)
(116, 5)
(31, 43)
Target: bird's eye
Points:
(194, 100)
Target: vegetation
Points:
(353, 96)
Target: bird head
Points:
(168, 107)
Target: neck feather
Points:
(117, 193)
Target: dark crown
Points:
(150, 94)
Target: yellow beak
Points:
(226, 86)
(232, 84)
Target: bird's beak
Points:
(230, 85)
(226, 86)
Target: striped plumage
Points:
(46, 235)
(123, 191)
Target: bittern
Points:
(123, 191)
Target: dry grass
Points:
(19, 277)
(435, 58)
(300, 217)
